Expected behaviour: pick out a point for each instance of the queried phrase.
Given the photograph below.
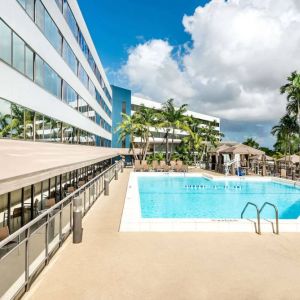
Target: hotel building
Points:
(52, 83)
(124, 102)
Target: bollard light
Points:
(77, 220)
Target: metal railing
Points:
(276, 215)
(258, 213)
(25, 252)
(257, 227)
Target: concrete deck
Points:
(113, 265)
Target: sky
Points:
(226, 58)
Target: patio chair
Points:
(145, 166)
(162, 164)
(17, 213)
(49, 203)
(155, 165)
(283, 173)
(70, 189)
(179, 163)
(4, 233)
(137, 166)
(166, 168)
(173, 164)
(81, 183)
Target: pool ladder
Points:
(258, 212)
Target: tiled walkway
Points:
(112, 265)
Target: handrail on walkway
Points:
(25, 252)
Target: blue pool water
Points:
(197, 197)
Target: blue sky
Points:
(231, 66)
(117, 25)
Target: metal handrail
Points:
(50, 214)
(17, 233)
(257, 215)
(276, 214)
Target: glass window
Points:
(28, 122)
(69, 57)
(17, 121)
(39, 126)
(69, 95)
(83, 76)
(39, 71)
(5, 118)
(40, 15)
(92, 89)
(52, 81)
(70, 19)
(123, 107)
(52, 33)
(59, 4)
(29, 63)
(5, 42)
(18, 53)
(28, 5)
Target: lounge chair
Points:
(162, 164)
(49, 203)
(155, 165)
(166, 168)
(173, 164)
(137, 166)
(4, 233)
(179, 163)
(81, 183)
(145, 166)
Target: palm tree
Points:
(210, 136)
(147, 118)
(129, 127)
(171, 118)
(292, 90)
(285, 133)
(252, 143)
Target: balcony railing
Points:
(25, 252)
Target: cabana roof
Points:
(259, 157)
(242, 149)
(290, 158)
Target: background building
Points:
(121, 104)
(124, 102)
(52, 83)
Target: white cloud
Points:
(241, 54)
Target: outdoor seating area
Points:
(160, 166)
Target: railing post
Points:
(106, 186)
(116, 174)
(122, 167)
(27, 260)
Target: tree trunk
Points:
(167, 146)
(172, 144)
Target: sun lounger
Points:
(173, 164)
(145, 166)
(155, 165)
(137, 166)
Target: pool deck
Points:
(116, 265)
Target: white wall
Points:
(153, 104)
(17, 88)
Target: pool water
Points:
(198, 197)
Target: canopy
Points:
(260, 157)
(242, 149)
(290, 158)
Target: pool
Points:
(201, 202)
(198, 197)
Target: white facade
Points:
(158, 141)
(92, 111)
